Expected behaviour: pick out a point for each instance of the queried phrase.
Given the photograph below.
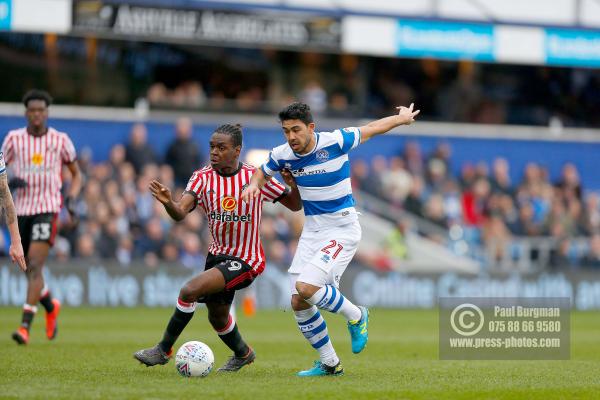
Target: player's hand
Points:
(70, 206)
(160, 192)
(250, 193)
(16, 254)
(288, 178)
(407, 115)
(16, 183)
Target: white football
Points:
(194, 359)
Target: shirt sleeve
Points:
(195, 184)
(68, 153)
(7, 149)
(273, 190)
(349, 138)
(2, 165)
(271, 167)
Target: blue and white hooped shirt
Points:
(322, 176)
(2, 164)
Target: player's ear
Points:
(311, 127)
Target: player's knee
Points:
(188, 293)
(34, 271)
(305, 290)
(298, 303)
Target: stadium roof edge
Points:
(421, 128)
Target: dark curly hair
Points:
(36, 94)
(298, 111)
(235, 131)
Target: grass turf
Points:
(92, 358)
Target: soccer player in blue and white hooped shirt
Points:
(319, 163)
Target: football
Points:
(194, 359)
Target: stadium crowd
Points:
(120, 219)
(482, 206)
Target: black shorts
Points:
(237, 273)
(37, 228)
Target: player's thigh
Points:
(236, 275)
(314, 276)
(41, 235)
(24, 224)
(205, 283)
(304, 252)
(336, 248)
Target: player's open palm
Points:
(408, 114)
(160, 192)
(17, 256)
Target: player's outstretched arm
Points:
(258, 180)
(292, 200)
(176, 210)
(16, 248)
(405, 116)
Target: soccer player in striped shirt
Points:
(331, 233)
(36, 155)
(236, 256)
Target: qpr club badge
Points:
(322, 155)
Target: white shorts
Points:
(322, 256)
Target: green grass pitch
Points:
(92, 358)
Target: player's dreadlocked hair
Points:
(296, 110)
(36, 94)
(235, 131)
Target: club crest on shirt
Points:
(322, 155)
(228, 203)
(37, 159)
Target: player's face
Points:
(223, 153)
(299, 136)
(36, 113)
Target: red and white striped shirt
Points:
(233, 224)
(38, 160)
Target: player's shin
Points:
(179, 320)
(230, 335)
(331, 299)
(28, 314)
(313, 327)
(46, 299)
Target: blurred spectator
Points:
(500, 180)
(315, 96)
(191, 254)
(395, 242)
(138, 152)
(151, 240)
(413, 202)
(559, 256)
(396, 181)
(86, 247)
(183, 154)
(592, 259)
